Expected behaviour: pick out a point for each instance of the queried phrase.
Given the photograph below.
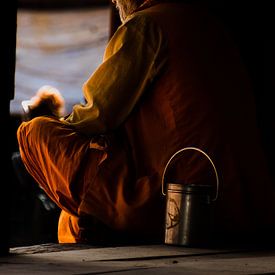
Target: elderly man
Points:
(170, 78)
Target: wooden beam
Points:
(7, 73)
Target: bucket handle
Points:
(196, 149)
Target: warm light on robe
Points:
(133, 57)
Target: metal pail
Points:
(188, 210)
(187, 214)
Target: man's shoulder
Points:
(142, 22)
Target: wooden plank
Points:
(95, 253)
(162, 259)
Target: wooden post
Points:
(7, 73)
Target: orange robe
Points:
(109, 164)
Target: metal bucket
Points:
(188, 210)
(187, 214)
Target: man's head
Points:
(126, 7)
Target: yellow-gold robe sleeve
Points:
(133, 57)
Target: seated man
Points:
(170, 78)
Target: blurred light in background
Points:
(58, 47)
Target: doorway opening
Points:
(59, 46)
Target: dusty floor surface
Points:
(145, 259)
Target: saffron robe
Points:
(171, 78)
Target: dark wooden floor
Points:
(145, 259)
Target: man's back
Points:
(204, 99)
